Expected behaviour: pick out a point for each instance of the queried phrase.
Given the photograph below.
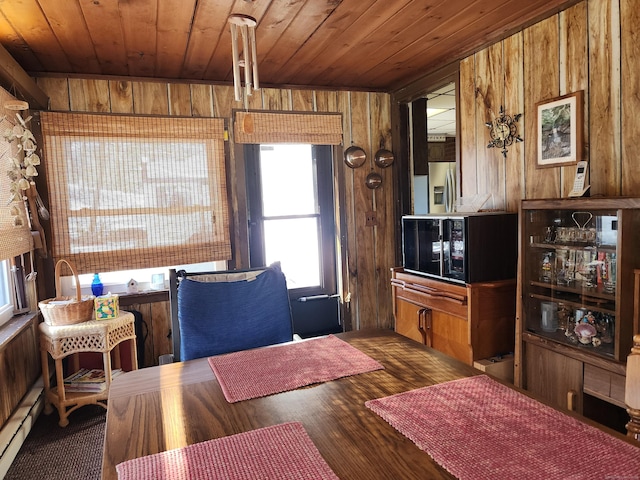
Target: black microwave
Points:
(461, 247)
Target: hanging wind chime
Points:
(243, 27)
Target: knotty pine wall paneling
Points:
(513, 70)
(574, 73)
(630, 95)
(363, 274)
(89, 95)
(604, 96)
(157, 328)
(20, 361)
(302, 100)
(150, 98)
(201, 100)
(592, 46)
(384, 207)
(468, 175)
(541, 82)
(121, 96)
(369, 250)
(489, 80)
(180, 100)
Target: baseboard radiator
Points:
(15, 430)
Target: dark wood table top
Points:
(160, 408)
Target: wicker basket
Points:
(78, 310)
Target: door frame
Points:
(236, 175)
(324, 186)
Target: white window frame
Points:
(6, 285)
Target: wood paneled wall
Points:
(369, 251)
(593, 46)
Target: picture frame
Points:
(559, 130)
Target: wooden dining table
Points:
(170, 406)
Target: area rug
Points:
(477, 428)
(280, 452)
(51, 452)
(265, 371)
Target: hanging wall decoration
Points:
(373, 180)
(23, 164)
(503, 131)
(354, 157)
(384, 158)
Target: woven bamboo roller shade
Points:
(14, 240)
(265, 127)
(136, 192)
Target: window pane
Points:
(288, 180)
(294, 243)
(6, 302)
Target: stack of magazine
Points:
(88, 380)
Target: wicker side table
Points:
(92, 336)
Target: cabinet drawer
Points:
(436, 295)
(604, 385)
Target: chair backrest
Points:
(221, 312)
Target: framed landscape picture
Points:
(559, 128)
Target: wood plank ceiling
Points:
(356, 44)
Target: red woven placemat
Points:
(280, 452)
(477, 428)
(265, 371)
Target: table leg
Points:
(106, 359)
(134, 355)
(62, 398)
(116, 357)
(44, 356)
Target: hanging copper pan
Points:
(354, 157)
(384, 158)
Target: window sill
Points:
(13, 327)
(149, 296)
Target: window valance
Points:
(269, 127)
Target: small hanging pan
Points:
(354, 157)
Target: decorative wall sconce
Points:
(354, 157)
(373, 180)
(249, 60)
(384, 158)
(503, 131)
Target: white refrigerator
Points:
(442, 187)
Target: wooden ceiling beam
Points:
(14, 79)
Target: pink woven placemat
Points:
(478, 429)
(280, 452)
(265, 371)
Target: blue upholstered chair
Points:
(221, 312)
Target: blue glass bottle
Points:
(96, 286)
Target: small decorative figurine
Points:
(132, 286)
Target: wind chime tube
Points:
(237, 89)
(254, 57)
(246, 55)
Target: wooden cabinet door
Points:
(449, 334)
(410, 320)
(554, 377)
